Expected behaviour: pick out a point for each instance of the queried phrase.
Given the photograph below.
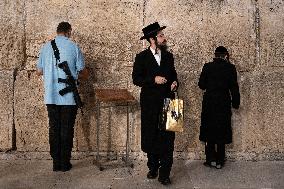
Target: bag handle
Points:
(176, 97)
(176, 94)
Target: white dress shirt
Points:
(157, 56)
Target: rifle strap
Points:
(55, 51)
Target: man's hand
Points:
(84, 74)
(39, 72)
(174, 86)
(160, 80)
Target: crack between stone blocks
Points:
(257, 31)
(143, 19)
(14, 147)
(144, 11)
(23, 65)
(15, 71)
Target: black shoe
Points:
(152, 174)
(56, 166)
(66, 167)
(164, 181)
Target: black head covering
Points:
(151, 30)
(221, 50)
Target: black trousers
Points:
(215, 152)
(61, 132)
(161, 162)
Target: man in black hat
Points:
(155, 73)
(219, 80)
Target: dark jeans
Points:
(215, 154)
(61, 132)
(162, 162)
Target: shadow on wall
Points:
(107, 78)
(87, 93)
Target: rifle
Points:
(71, 82)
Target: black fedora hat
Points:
(221, 50)
(151, 30)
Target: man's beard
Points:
(162, 46)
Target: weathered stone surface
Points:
(265, 119)
(12, 34)
(112, 131)
(189, 92)
(271, 33)
(6, 110)
(239, 116)
(31, 63)
(31, 121)
(196, 28)
(106, 30)
(108, 33)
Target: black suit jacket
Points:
(145, 70)
(219, 80)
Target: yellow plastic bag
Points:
(171, 118)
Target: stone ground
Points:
(34, 174)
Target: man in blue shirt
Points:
(62, 110)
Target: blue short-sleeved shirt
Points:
(69, 52)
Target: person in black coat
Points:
(219, 80)
(155, 73)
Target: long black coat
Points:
(219, 79)
(145, 70)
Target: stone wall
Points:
(108, 32)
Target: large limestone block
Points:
(31, 119)
(12, 34)
(264, 131)
(105, 30)
(112, 74)
(239, 116)
(271, 33)
(190, 93)
(6, 110)
(196, 28)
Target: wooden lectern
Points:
(113, 97)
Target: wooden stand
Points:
(113, 97)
